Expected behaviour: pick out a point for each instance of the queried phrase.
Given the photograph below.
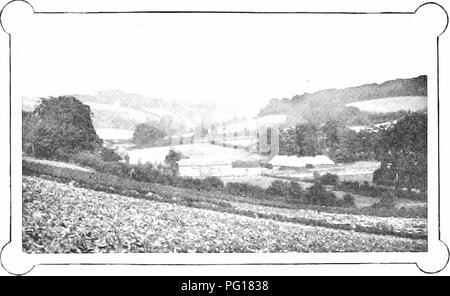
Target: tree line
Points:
(62, 126)
(401, 148)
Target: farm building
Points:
(218, 168)
(359, 128)
(284, 161)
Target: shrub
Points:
(184, 182)
(309, 166)
(413, 211)
(329, 179)
(62, 154)
(147, 173)
(296, 191)
(212, 183)
(113, 184)
(244, 189)
(412, 195)
(108, 154)
(171, 160)
(115, 168)
(87, 158)
(280, 188)
(188, 182)
(318, 195)
(387, 200)
(348, 200)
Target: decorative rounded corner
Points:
(436, 261)
(24, 8)
(438, 11)
(11, 263)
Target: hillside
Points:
(392, 104)
(330, 104)
(121, 110)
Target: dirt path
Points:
(57, 164)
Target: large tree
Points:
(307, 140)
(148, 134)
(403, 153)
(60, 124)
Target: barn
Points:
(217, 167)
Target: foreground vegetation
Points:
(62, 218)
(361, 220)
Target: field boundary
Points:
(149, 191)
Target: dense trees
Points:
(148, 134)
(403, 153)
(59, 125)
(401, 149)
(355, 146)
(333, 139)
(307, 139)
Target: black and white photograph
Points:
(223, 135)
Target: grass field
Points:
(202, 152)
(62, 218)
(358, 171)
(392, 104)
(114, 133)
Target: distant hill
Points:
(392, 104)
(332, 104)
(120, 110)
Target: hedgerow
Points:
(376, 191)
(181, 192)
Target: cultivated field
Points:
(62, 218)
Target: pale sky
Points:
(234, 60)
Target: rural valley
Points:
(338, 170)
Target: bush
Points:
(348, 200)
(329, 179)
(108, 154)
(62, 154)
(115, 168)
(184, 182)
(412, 195)
(117, 185)
(296, 191)
(147, 173)
(244, 189)
(280, 188)
(318, 195)
(377, 191)
(171, 160)
(387, 200)
(88, 159)
(212, 183)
